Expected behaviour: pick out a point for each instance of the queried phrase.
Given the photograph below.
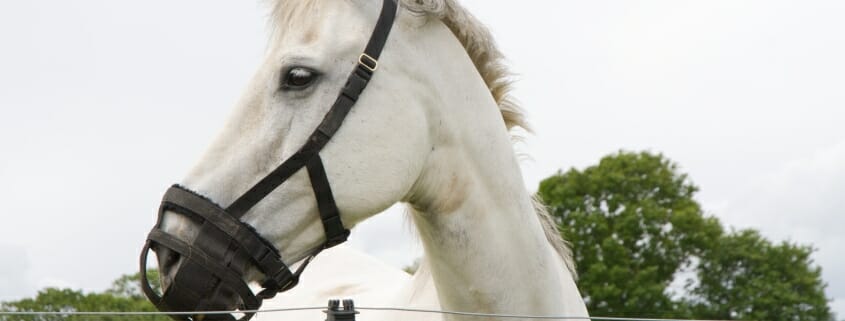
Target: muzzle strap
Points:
(260, 251)
(193, 254)
(212, 277)
(151, 294)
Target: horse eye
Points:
(299, 78)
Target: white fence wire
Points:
(409, 310)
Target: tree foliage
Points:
(746, 277)
(129, 285)
(633, 223)
(124, 295)
(635, 226)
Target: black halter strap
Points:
(308, 155)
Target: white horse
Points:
(431, 131)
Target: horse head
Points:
(307, 155)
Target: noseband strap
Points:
(214, 263)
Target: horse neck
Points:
(482, 237)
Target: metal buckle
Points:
(368, 62)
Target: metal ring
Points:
(368, 62)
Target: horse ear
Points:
(436, 8)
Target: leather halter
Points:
(213, 265)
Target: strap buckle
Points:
(368, 62)
(337, 239)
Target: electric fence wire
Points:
(383, 309)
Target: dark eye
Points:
(299, 78)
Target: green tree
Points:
(124, 296)
(129, 286)
(634, 226)
(746, 277)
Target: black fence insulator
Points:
(335, 313)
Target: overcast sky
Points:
(105, 103)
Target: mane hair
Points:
(490, 62)
(483, 51)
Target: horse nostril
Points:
(171, 260)
(168, 262)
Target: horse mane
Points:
(490, 63)
(482, 49)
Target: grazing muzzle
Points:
(207, 273)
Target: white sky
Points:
(104, 103)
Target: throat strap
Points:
(336, 233)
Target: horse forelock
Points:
(287, 13)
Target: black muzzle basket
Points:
(209, 273)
